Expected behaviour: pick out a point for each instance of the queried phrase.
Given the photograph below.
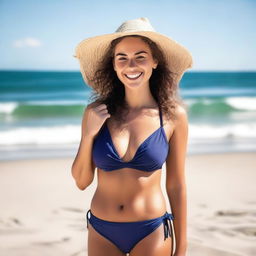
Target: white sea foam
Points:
(8, 107)
(41, 135)
(68, 134)
(246, 103)
(240, 103)
(239, 130)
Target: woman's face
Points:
(133, 62)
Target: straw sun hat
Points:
(91, 50)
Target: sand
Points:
(44, 213)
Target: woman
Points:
(135, 125)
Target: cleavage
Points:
(125, 141)
(121, 141)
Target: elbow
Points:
(81, 182)
(81, 186)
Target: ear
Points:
(155, 63)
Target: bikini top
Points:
(150, 155)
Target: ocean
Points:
(41, 112)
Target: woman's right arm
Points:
(83, 167)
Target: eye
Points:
(122, 58)
(140, 57)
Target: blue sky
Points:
(42, 34)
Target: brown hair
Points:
(109, 89)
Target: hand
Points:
(94, 116)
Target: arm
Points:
(175, 180)
(83, 167)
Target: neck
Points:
(138, 98)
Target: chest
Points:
(128, 139)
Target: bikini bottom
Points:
(125, 235)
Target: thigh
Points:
(154, 244)
(98, 245)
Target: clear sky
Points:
(42, 34)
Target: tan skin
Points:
(115, 199)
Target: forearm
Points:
(82, 167)
(178, 201)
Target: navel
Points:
(121, 207)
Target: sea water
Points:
(41, 112)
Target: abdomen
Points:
(128, 195)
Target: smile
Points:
(133, 76)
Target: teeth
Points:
(133, 76)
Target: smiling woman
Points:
(133, 65)
(139, 57)
(127, 133)
(108, 82)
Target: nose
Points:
(131, 63)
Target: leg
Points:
(98, 245)
(154, 244)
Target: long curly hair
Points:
(110, 90)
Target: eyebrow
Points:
(123, 54)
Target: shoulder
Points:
(181, 117)
(181, 113)
(178, 124)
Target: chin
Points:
(133, 84)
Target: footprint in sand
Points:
(11, 222)
(49, 243)
(231, 213)
(16, 221)
(248, 231)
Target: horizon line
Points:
(77, 70)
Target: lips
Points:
(133, 76)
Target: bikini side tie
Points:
(168, 225)
(87, 216)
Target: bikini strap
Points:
(161, 118)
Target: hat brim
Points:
(91, 50)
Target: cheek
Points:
(142, 62)
(145, 64)
(120, 65)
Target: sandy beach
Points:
(43, 212)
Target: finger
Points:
(103, 111)
(101, 106)
(107, 116)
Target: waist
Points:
(133, 206)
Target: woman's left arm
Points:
(175, 180)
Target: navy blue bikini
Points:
(150, 156)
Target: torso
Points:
(127, 194)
